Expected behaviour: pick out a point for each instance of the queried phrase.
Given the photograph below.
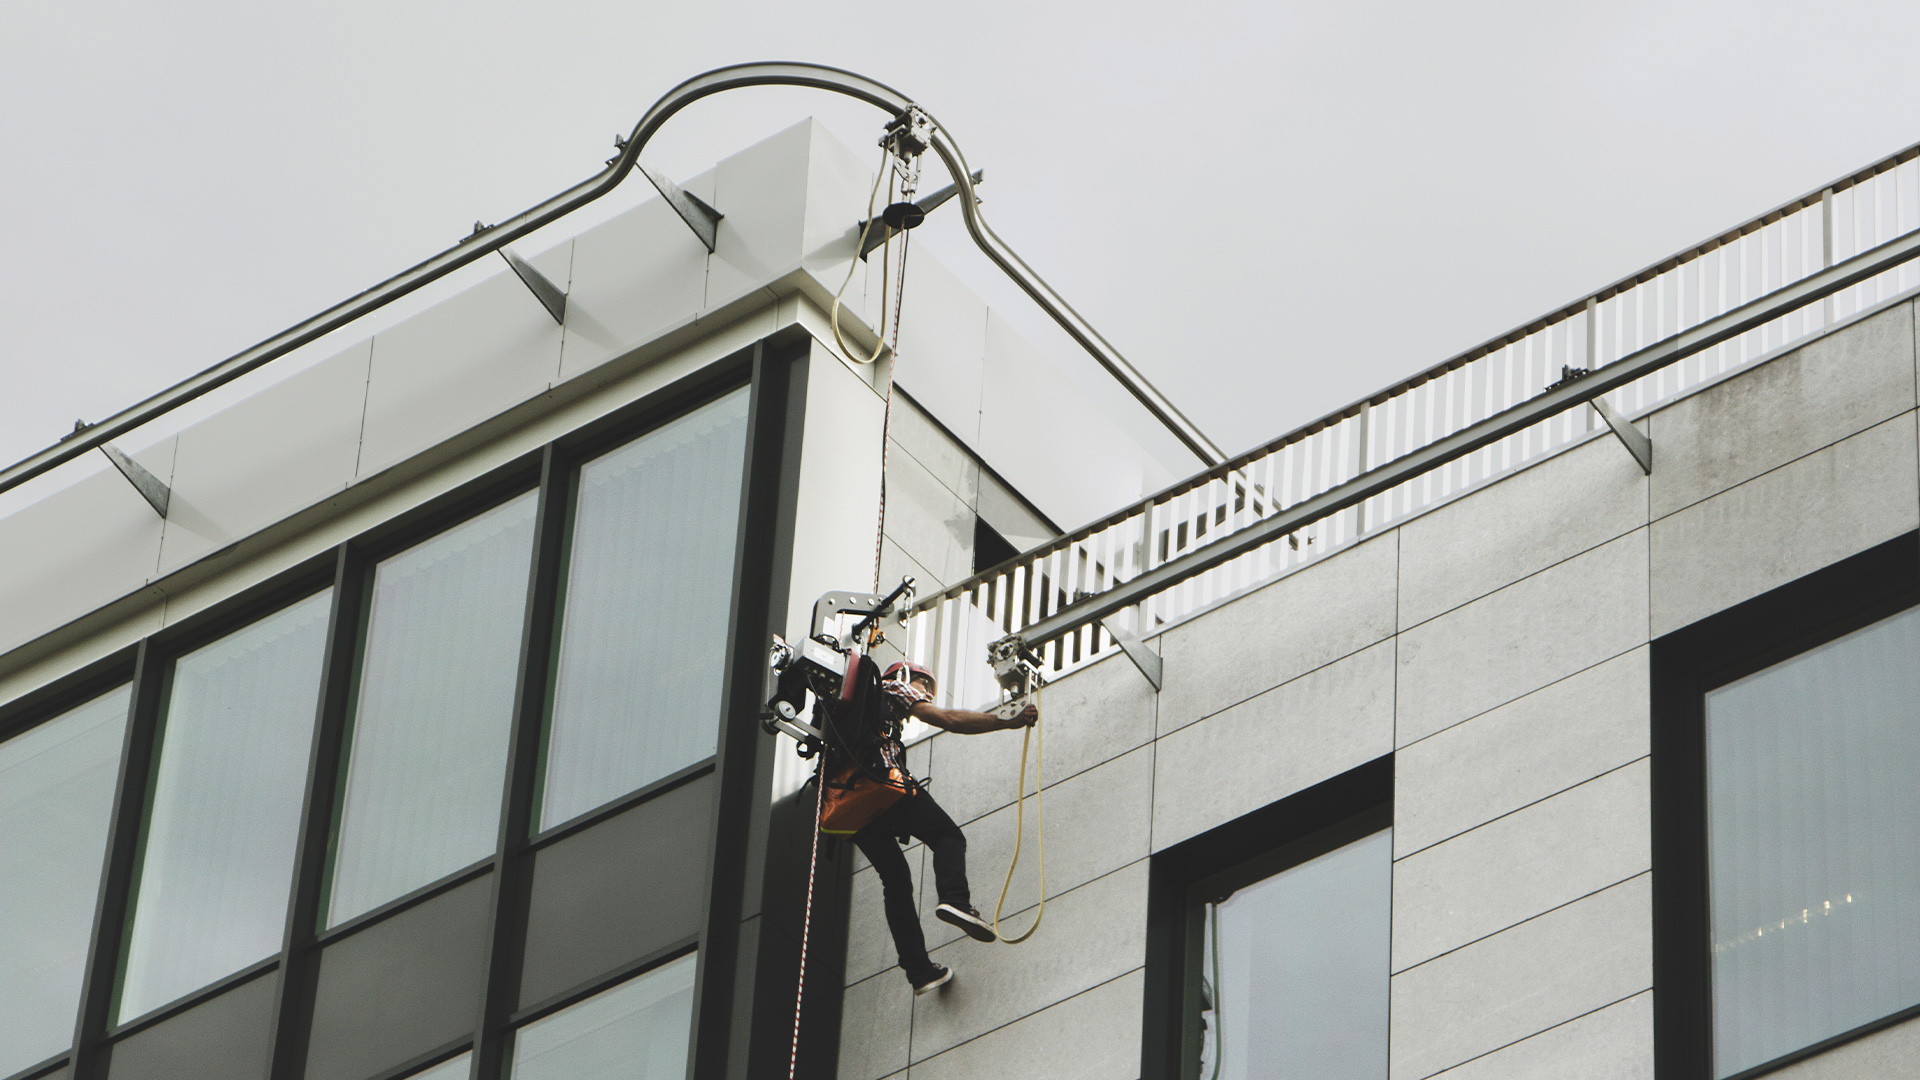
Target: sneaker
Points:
(968, 920)
(936, 977)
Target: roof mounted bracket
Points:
(157, 494)
(925, 205)
(1630, 437)
(1137, 651)
(550, 295)
(704, 220)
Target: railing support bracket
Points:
(1137, 651)
(704, 220)
(157, 494)
(550, 295)
(1636, 441)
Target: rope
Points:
(1039, 740)
(806, 921)
(883, 176)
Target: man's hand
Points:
(1026, 717)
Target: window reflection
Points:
(56, 800)
(1813, 818)
(216, 866)
(1296, 979)
(428, 738)
(639, 1030)
(648, 593)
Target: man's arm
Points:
(968, 722)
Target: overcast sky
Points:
(1270, 208)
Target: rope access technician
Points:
(909, 693)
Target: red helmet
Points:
(912, 671)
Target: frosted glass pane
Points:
(450, 1069)
(649, 589)
(217, 863)
(56, 800)
(638, 1030)
(428, 741)
(1813, 823)
(1302, 988)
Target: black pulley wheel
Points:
(902, 216)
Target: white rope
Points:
(806, 921)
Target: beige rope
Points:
(1039, 741)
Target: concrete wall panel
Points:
(1542, 515)
(256, 462)
(78, 550)
(1614, 1043)
(633, 278)
(1092, 935)
(1826, 390)
(876, 1020)
(453, 366)
(1091, 1036)
(1254, 643)
(1518, 866)
(1311, 729)
(1522, 981)
(1787, 523)
(1531, 633)
(1526, 750)
(762, 193)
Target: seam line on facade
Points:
(1517, 809)
(1158, 735)
(1542, 1031)
(1882, 422)
(1465, 944)
(1528, 694)
(1024, 1017)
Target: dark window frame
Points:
(772, 372)
(1184, 877)
(1685, 664)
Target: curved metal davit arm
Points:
(815, 76)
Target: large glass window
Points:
(1813, 813)
(639, 1030)
(1295, 970)
(647, 595)
(216, 866)
(428, 736)
(56, 801)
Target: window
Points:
(216, 866)
(638, 1030)
(1790, 732)
(56, 800)
(646, 601)
(1269, 940)
(428, 736)
(1314, 1000)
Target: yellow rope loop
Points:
(1038, 739)
(879, 335)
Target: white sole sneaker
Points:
(976, 927)
(945, 977)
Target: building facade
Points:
(419, 735)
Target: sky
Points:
(1271, 209)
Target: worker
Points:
(909, 691)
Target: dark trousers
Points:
(918, 816)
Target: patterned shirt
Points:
(902, 696)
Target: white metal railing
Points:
(951, 629)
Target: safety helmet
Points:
(911, 671)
